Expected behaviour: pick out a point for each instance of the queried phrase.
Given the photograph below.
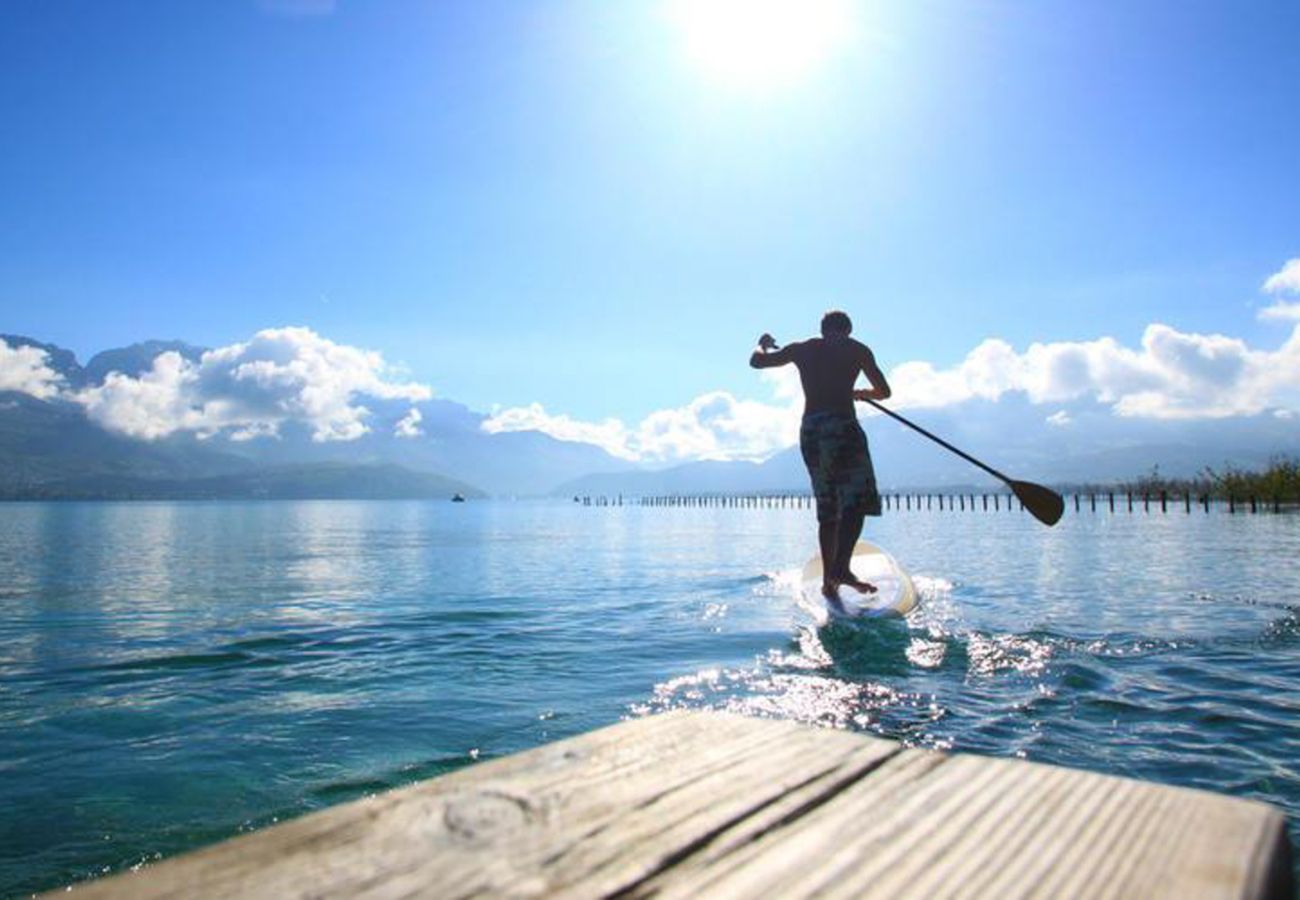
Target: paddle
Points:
(1044, 503)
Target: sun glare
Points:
(761, 42)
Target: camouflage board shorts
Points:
(839, 464)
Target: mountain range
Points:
(904, 461)
(51, 448)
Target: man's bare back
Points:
(828, 369)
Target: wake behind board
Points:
(895, 594)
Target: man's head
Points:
(836, 323)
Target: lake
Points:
(175, 673)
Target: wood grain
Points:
(708, 804)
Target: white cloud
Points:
(1282, 311)
(1047, 373)
(25, 369)
(1171, 375)
(715, 425)
(409, 426)
(611, 435)
(250, 389)
(1286, 280)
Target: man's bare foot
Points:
(853, 581)
(830, 592)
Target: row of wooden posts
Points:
(1111, 501)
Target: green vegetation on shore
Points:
(1279, 482)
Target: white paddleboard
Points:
(895, 594)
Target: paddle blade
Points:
(1045, 504)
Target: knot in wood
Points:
(485, 814)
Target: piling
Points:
(950, 502)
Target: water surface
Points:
(174, 673)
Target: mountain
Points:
(133, 360)
(42, 442)
(136, 359)
(57, 358)
(50, 448)
(1095, 447)
(509, 464)
(777, 475)
(319, 481)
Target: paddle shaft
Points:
(941, 442)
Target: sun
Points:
(761, 42)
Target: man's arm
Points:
(763, 359)
(879, 386)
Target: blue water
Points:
(175, 673)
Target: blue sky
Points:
(556, 203)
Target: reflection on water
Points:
(175, 673)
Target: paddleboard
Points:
(895, 594)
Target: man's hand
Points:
(879, 389)
(768, 356)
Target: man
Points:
(831, 440)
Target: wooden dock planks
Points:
(708, 804)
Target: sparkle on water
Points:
(177, 673)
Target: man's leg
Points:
(858, 487)
(850, 529)
(846, 538)
(819, 474)
(827, 537)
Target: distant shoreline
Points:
(321, 481)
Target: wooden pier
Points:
(714, 805)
